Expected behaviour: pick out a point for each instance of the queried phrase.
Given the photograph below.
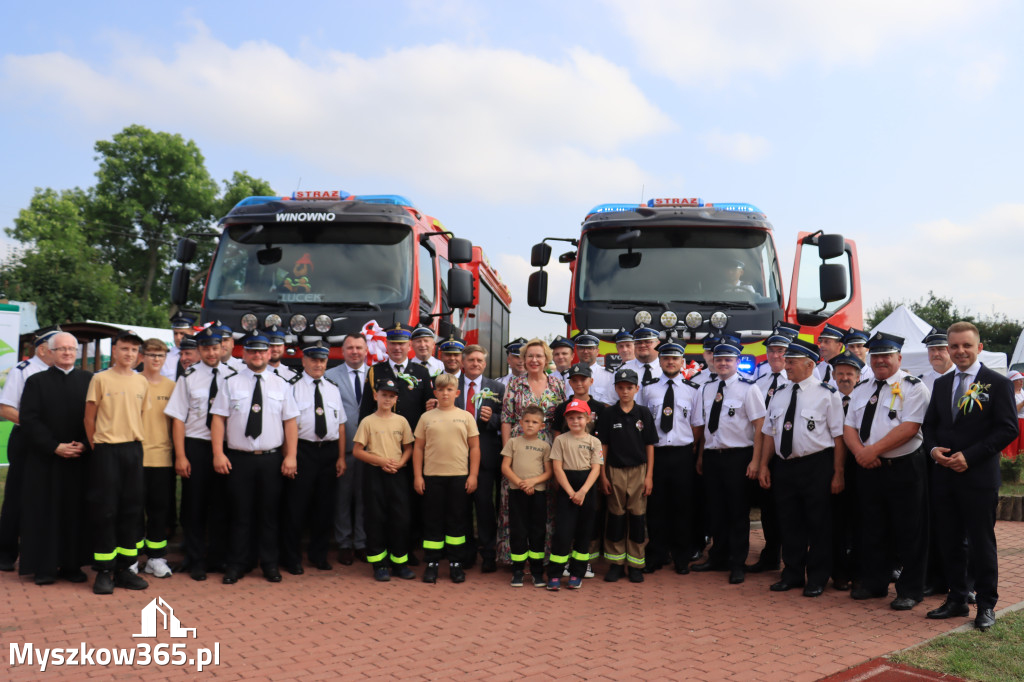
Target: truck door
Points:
(805, 306)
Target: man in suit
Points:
(971, 417)
(487, 410)
(350, 376)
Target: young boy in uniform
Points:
(384, 441)
(157, 459)
(576, 459)
(526, 465)
(628, 436)
(445, 461)
(113, 423)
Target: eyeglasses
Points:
(66, 349)
(155, 355)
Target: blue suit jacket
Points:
(490, 430)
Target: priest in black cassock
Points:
(54, 535)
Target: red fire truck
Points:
(689, 268)
(322, 264)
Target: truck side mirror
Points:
(186, 250)
(537, 288)
(540, 254)
(460, 288)
(460, 250)
(831, 246)
(832, 280)
(179, 285)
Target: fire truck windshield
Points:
(314, 263)
(679, 263)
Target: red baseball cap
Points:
(577, 406)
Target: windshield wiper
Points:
(726, 304)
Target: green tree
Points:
(152, 188)
(240, 186)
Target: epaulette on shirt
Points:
(189, 372)
(747, 381)
(330, 381)
(911, 379)
(862, 381)
(293, 379)
(232, 372)
(828, 386)
(691, 383)
(610, 370)
(648, 383)
(23, 364)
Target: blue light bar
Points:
(252, 201)
(392, 199)
(747, 364)
(612, 208)
(737, 207)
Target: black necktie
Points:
(958, 395)
(647, 374)
(254, 427)
(716, 407)
(869, 412)
(771, 389)
(828, 372)
(667, 407)
(213, 394)
(786, 446)
(398, 370)
(846, 404)
(358, 385)
(320, 427)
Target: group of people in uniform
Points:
(864, 474)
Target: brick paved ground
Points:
(342, 624)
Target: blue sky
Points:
(897, 124)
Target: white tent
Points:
(903, 322)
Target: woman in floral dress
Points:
(536, 387)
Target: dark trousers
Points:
(10, 513)
(573, 528)
(725, 483)
(893, 517)
(387, 514)
(484, 501)
(968, 514)
(254, 500)
(116, 485)
(204, 508)
(310, 495)
(445, 524)
(847, 554)
(527, 521)
(765, 501)
(158, 505)
(670, 506)
(803, 488)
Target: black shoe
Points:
(456, 573)
(737, 576)
(972, 597)
(949, 610)
(297, 569)
(404, 572)
(381, 574)
(615, 572)
(707, 566)
(272, 574)
(6, 565)
(985, 619)
(903, 603)
(814, 590)
(682, 569)
(72, 575)
(762, 565)
(360, 554)
(129, 580)
(931, 590)
(346, 555)
(430, 573)
(841, 584)
(862, 592)
(488, 565)
(231, 576)
(783, 586)
(44, 579)
(322, 565)
(635, 575)
(198, 573)
(104, 583)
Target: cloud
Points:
(530, 322)
(737, 146)
(439, 118)
(981, 76)
(971, 262)
(707, 43)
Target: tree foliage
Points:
(998, 332)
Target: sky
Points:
(896, 124)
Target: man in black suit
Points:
(417, 393)
(482, 398)
(970, 419)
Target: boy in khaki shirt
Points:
(445, 460)
(384, 441)
(113, 423)
(157, 459)
(526, 465)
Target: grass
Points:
(992, 656)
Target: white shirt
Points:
(1018, 398)
(433, 365)
(603, 388)
(764, 382)
(235, 400)
(685, 404)
(890, 410)
(742, 404)
(235, 363)
(972, 376)
(638, 367)
(817, 423)
(16, 379)
(189, 402)
(304, 391)
(931, 375)
(170, 368)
